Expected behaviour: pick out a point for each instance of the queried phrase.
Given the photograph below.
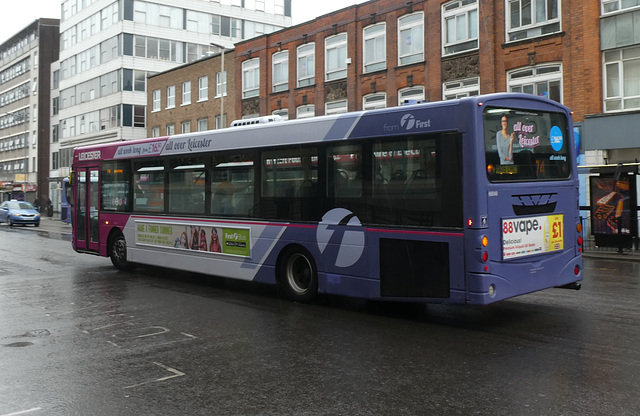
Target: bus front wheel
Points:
(298, 275)
(118, 253)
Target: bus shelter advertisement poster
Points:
(532, 235)
(612, 212)
(211, 239)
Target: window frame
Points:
(306, 53)
(186, 93)
(156, 101)
(376, 33)
(621, 96)
(375, 99)
(467, 87)
(203, 90)
(251, 67)
(331, 43)
(413, 56)
(401, 91)
(537, 77)
(469, 42)
(532, 29)
(171, 97)
(280, 71)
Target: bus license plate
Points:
(528, 236)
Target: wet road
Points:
(79, 338)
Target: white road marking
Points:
(176, 373)
(23, 412)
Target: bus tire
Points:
(118, 252)
(298, 275)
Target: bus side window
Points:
(148, 186)
(232, 180)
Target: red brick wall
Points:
(577, 48)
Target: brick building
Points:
(383, 52)
(192, 97)
(25, 107)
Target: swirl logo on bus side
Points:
(352, 242)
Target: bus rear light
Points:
(106, 222)
(492, 290)
(579, 228)
(580, 240)
(485, 256)
(576, 270)
(470, 222)
(485, 241)
(486, 268)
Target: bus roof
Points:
(407, 119)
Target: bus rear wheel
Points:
(118, 253)
(298, 275)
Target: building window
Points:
(185, 127)
(415, 93)
(335, 107)
(203, 88)
(171, 96)
(54, 160)
(306, 64)
(373, 101)
(610, 6)
(156, 100)
(155, 131)
(622, 79)
(374, 49)
(202, 124)
(336, 57)
(224, 121)
(171, 129)
(531, 18)
(251, 78)
(280, 71)
(221, 84)
(461, 88)
(55, 133)
(542, 80)
(305, 111)
(186, 93)
(283, 112)
(411, 38)
(459, 26)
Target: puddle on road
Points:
(18, 344)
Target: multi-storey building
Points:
(108, 49)
(383, 52)
(610, 132)
(192, 97)
(25, 61)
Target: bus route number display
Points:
(528, 236)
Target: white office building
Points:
(109, 47)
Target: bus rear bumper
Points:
(489, 288)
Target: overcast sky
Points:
(18, 14)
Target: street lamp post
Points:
(222, 79)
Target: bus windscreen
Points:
(526, 145)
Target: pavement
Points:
(53, 224)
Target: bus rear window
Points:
(526, 145)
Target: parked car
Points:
(19, 212)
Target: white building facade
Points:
(108, 48)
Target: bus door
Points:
(87, 208)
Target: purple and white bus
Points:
(465, 201)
